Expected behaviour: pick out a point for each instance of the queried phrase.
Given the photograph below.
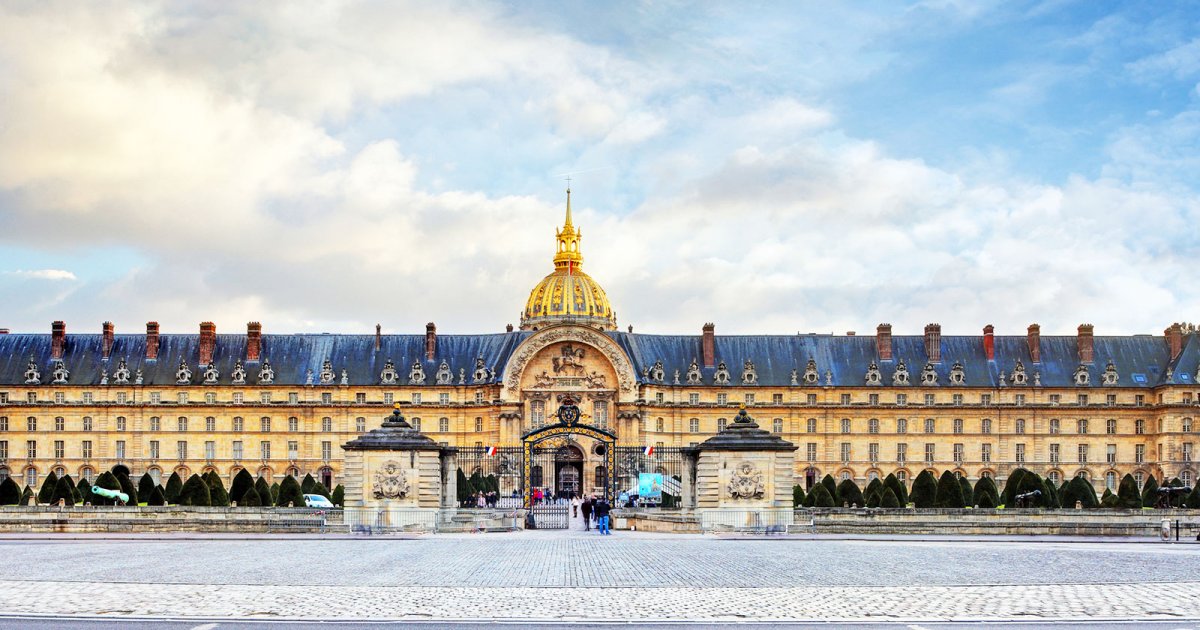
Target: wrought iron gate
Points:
(549, 516)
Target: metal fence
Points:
(633, 462)
(373, 521)
(764, 521)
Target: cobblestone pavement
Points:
(574, 576)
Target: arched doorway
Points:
(568, 470)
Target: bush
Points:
(897, 489)
(85, 492)
(1179, 498)
(275, 492)
(10, 492)
(48, 485)
(985, 486)
(1081, 490)
(250, 498)
(1150, 492)
(26, 495)
(985, 501)
(875, 486)
(338, 497)
(128, 488)
(1050, 494)
(831, 487)
(157, 496)
(809, 499)
(820, 496)
(242, 481)
(1193, 498)
(174, 487)
(797, 495)
(319, 488)
(307, 485)
(290, 492)
(264, 492)
(889, 500)
(65, 490)
(463, 487)
(1128, 496)
(849, 494)
(108, 481)
(218, 497)
(145, 486)
(949, 492)
(872, 499)
(195, 492)
(924, 490)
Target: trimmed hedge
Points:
(242, 481)
(10, 492)
(831, 487)
(820, 496)
(849, 494)
(889, 499)
(290, 492)
(157, 497)
(1128, 496)
(264, 491)
(897, 487)
(48, 485)
(250, 498)
(985, 492)
(949, 492)
(797, 495)
(924, 490)
(145, 486)
(339, 496)
(174, 487)
(65, 490)
(128, 488)
(218, 497)
(195, 492)
(1081, 490)
(1150, 492)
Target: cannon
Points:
(110, 494)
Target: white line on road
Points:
(207, 626)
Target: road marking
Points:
(207, 626)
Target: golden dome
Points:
(568, 295)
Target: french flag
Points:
(648, 451)
(490, 451)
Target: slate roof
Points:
(1141, 360)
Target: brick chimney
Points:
(508, 328)
(378, 337)
(933, 342)
(58, 335)
(1174, 338)
(708, 345)
(208, 342)
(883, 342)
(107, 335)
(1034, 337)
(430, 341)
(253, 341)
(151, 341)
(989, 342)
(1086, 349)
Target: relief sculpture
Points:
(746, 482)
(390, 482)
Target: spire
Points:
(568, 223)
(567, 255)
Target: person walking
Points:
(575, 507)
(602, 509)
(585, 508)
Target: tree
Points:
(1050, 494)
(26, 495)
(797, 495)
(831, 487)
(1081, 490)
(808, 500)
(1150, 492)
(1128, 496)
(821, 497)
(949, 492)
(195, 492)
(1193, 498)
(872, 498)
(157, 496)
(849, 494)
(1012, 487)
(897, 488)
(965, 490)
(48, 485)
(275, 492)
(985, 486)
(216, 490)
(1110, 500)
(290, 492)
(65, 490)
(174, 487)
(874, 486)
(250, 498)
(889, 499)
(924, 490)
(145, 486)
(242, 481)
(10, 492)
(85, 492)
(306, 486)
(339, 496)
(463, 488)
(264, 492)
(128, 488)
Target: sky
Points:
(769, 167)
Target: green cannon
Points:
(110, 494)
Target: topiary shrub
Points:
(264, 492)
(85, 492)
(275, 492)
(831, 487)
(821, 497)
(290, 492)
(1128, 496)
(965, 490)
(1193, 498)
(10, 492)
(872, 498)
(1150, 492)
(924, 490)
(107, 481)
(242, 481)
(65, 490)
(307, 485)
(145, 486)
(1012, 486)
(128, 488)
(26, 495)
(174, 487)
(319, 488)
(809, 498)
(216, 490)
(985, 501)
(195, 492)
(1177, 499)
(875, 485)
(250, 498)
(157, 496)
(949, 492)
(889, 500)
(897, 488)
(849, 494)
(338, 497)
(797, 495)
(1081, 490)
(48, 484)
(985, 486)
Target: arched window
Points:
(902, 476)
(325, 476)
(60, 472)
(444, 425)
(3, 473)
(846, 474)
(1019, 426)
(1054, 477)
(293, 472)
(87, 473)
(873, 425)
(658, 425)
(901, 425)
(416, 423)
(87, 423)
(1140, 478)
(1083, 426)
(265, 424)
(31, 477)
(1110, 480)
(845, 425)
(293, 424)
(326, 425)
(535, 477)
(1110, 426)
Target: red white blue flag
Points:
(648, 451)
(490, 451)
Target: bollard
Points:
(1165, 531)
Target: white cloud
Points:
(42, 274)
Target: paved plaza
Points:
(573, 576)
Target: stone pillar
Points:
(745, 468)
(449, 479)
(687, 482)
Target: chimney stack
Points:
(253, 341)
(1086, 349)
(508, 328)
(58, 335)
(883, 342)
(430, 341)
(1034, 337)
(933, 342)
(1174, 335)
(107, 334)
(151, 341)
(208, 342)
(378, 337)
(708, 345)
(989, 342)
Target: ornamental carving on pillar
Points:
(746, 482)
(390, 482)
(120, 375)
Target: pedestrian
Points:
(575, 507)
(586, 509)
(602, 509)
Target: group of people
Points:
(485, 499)
(593, 507)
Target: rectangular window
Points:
(873, 399)
(181, 449)
(958, 399)
(443, 425)
(1110, 426)
(810, 451)
(120, 423)
(181, 424)
(1081, 400)
(985, 426)
(361, 397)
(722, 399)
(238, 397)
(59, 449)
(31, 424)
(444, 398)
(210, 451)
(777, 425)
(1139, 427)
(929, 425)
(1139, 453)
(181, 398)
(901, 399)
(155, 423)
(873, 452)
(845, 451)
(293, 398)
(1055, 399)
(1019, 426)
(777, 399)
(389, 398)
(59, 398)
(1139, 400)
(811, 425)
(749, 399)
(326, 425)
(901, 425)
(478, 398)
(60, 424)
(1054, 426)
(264, 424)
(293, 450)
(537, 413)
(693, 399)
(1019, 453)
(209, 398)
(416, 398)
(985, 453)
(327, 398)
(479, 425)
(210, 424)
(845, 425)
(600, 414)
(811, 398)
(239, 424)
(1110, 454)
(1019, 400)
(122, 398)
(658, 398)
(958, 426)
(958, 454)
(238, 454)
(155, 398)
(694, 425)
(120, 449)
(873, 426)
(31, 397)
(293, 424)
(31, 448)
(1187, 451)
(326, 450)
(929, 400)
(1054, 453)
(3, 423)
(1083, 453)
(264, 450)
(929, 452)
(87, 398)
(1111, 400)
(901, 453)
(360, 425)
(1082, 427)
(845, 399)
(721, 423)
(153, 449)
(985, 399)
(86, 450)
